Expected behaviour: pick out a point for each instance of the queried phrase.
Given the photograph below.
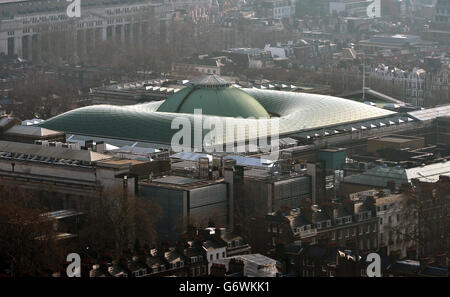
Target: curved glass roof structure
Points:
(151, 122)
(215, 97)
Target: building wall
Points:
(257, 197)
(177, 205)
(22, 33)
(209, 202)
(291, 192)
(393, 222)
(443, 131)
(373, 145)
(60, 186)
(173, 210)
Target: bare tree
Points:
(28, 242)
(115, 222)
(424, 219)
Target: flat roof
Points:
(51, 152)
(431, 113)
(397, 139)
(117, 161)
(180, 182)
(176, 180)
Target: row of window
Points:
(42, 19)
(127, 10)
(443, 11)
(390, 219)
(352, 231)
(197, 271)
(196, 259)
(198, 69)
(211, 256)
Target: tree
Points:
(424, 219)
(115, 222)
(28, 242)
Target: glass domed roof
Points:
(214, 96)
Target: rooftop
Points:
(180, 182)
(380, 176)
(27, 151)
(32, 131)
(151, 122)
(214, 95)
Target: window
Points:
(381, 221)
(223, 254)
(339, 234)
(333, 235)
(217, 256)
(211, 257)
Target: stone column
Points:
(18, 46)
(26, 45)
(104, 33)
(35, 49)
(4, 46)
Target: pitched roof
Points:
(32, 131)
